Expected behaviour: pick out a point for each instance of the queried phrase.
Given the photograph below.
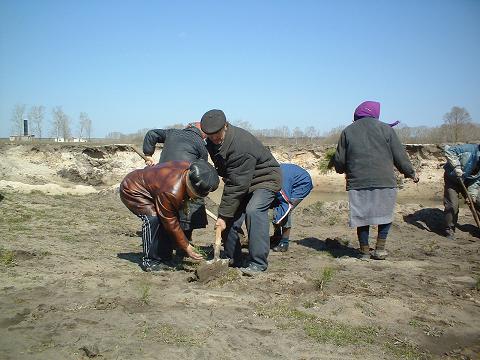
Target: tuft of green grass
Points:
(145, 293)
(326, 331)
(173, 336)
(200, 251)
(402, 349)
(326, 164)
(317, 208)
(325, 278)
(321, 330)
(230, 276)
(7, 257)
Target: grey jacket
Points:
(246, 165)
(180, 144)
(367, 152)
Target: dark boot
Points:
(364, 252)
(380, 253)
(282, 247)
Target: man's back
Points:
(180, 144)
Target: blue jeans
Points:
(363, 231)
(254, 208)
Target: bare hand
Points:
(149, 161)
(221, 224)
(194, 255)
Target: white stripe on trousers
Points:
(146, 237)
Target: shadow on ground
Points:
(471, 229)
(429, 219)
(336, 247)
(135, 257)
(432, 220)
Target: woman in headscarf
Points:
(367, 152)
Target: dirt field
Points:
(71, 286)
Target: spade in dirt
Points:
(213, 269)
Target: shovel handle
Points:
(470, 202)
(218, 243)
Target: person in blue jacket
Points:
(463, 162)
(296, 185)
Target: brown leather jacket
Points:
(158, 190)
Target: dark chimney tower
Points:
(25, 127)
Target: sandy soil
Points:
(71, 286)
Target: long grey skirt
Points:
(371, 206)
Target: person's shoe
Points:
(152, 265)
(379, 254)
(275, 240)
(364, 252)
(282, 247)
(450, 234)
(252, 270)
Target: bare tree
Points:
(85, 126)
(17, 118)
(36, 115)
(311, 133)
(88, 128)
(245, 125)
(456, 120)
(297, 133)
(60, 123)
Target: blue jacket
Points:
(296, 185)
(466, 157)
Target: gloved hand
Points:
(458, 172)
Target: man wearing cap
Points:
(157, 194)
(181, 144)
(463, 164)
(252, 177)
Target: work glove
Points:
(458, 172)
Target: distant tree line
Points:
(60, 123)
(457, 126)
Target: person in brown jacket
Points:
(157, 194)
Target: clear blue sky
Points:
(146, 64)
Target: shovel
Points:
(468, 199)
(215, 268)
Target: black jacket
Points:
(246, 165)
(367, 152)
(180, 144)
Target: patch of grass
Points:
(332, 220)
(326, 164)
(415, 323)
(326, 331)
(325, 278)
(309, 304)
(173, 336)
(145, 293)
(402, 349)
(431, 247)
(317, 208)
(7, 257)
(321, 330)
(201, 251)
(230, 276)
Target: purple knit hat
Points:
(367, 109)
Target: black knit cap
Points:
(203, 177)
(213, 121)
